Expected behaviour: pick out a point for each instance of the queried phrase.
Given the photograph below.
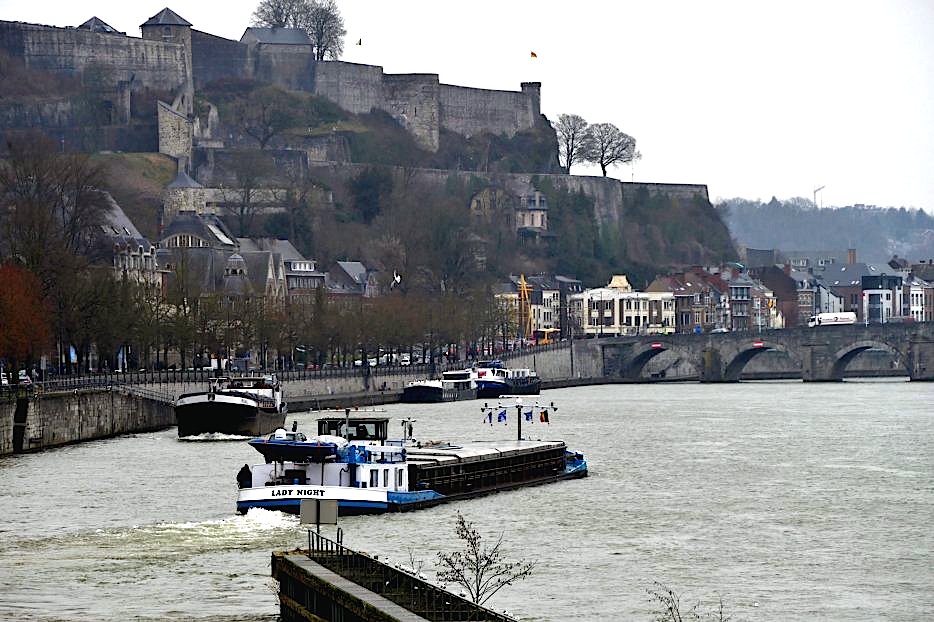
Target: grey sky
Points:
(752, 98)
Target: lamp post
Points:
(519, 418)
(882, 298)
(816, 190)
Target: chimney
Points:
(851, 256)
(787, 268)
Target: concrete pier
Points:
(329, 582)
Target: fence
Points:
(402, 588)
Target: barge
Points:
(238, 405)
(353, 461)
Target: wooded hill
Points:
(797, 224)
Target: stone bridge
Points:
(821, 353)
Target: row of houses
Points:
(771, 290)
(198, 252)
(729, 297)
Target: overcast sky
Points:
(753, 99)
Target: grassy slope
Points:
(136, 181)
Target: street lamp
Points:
(816, 190)
(882, 298)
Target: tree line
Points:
(798, 224)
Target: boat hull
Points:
(487, 389)
(225, 415)
(361, 501)
(525, 386)
(421, 394)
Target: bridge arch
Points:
(745, 353)
(844, 356)
(644, 352)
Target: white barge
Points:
(353, 461)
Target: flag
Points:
(528, 415)
(544, 416)
(488, 418)
(359, 41)
(534, 55)
(501, 417)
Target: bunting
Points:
(501, 417)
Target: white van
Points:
(832, 319)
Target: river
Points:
(791, 501)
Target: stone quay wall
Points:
(57, 419)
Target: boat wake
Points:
(214, 436)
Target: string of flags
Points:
(500, 412)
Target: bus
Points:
(832, 319)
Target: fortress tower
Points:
(167, 26)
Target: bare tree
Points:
(281, 14)
(52, 209)
(321, 19)
(326, 29)
(669, 608)
(480, 570)
(572, 138)
(264, 114)
(607, 146)
(251, 170)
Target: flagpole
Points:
(519, 417)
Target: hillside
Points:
(797, 224)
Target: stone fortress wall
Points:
(119, 60)
(187, 59)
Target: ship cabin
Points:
(367, 428)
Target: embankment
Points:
(34, 421)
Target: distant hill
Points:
(876, 233)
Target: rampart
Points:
(124, 65)
(114, 60)
(470, 111)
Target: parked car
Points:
(23, 377)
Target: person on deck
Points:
(245, 477)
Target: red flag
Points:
(534, 55)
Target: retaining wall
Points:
(59, 419)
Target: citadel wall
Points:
(215, 58)
(470, 111)
(191, 59)
(115, 59)
(414, 100)
(355, 88)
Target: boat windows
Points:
(385, 478)
(398, 479)
(374, 478)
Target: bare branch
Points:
(481, 571)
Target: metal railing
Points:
(404, 589)
(83, 383)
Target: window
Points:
(385, 478)
(398, 478)
(374, 478)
